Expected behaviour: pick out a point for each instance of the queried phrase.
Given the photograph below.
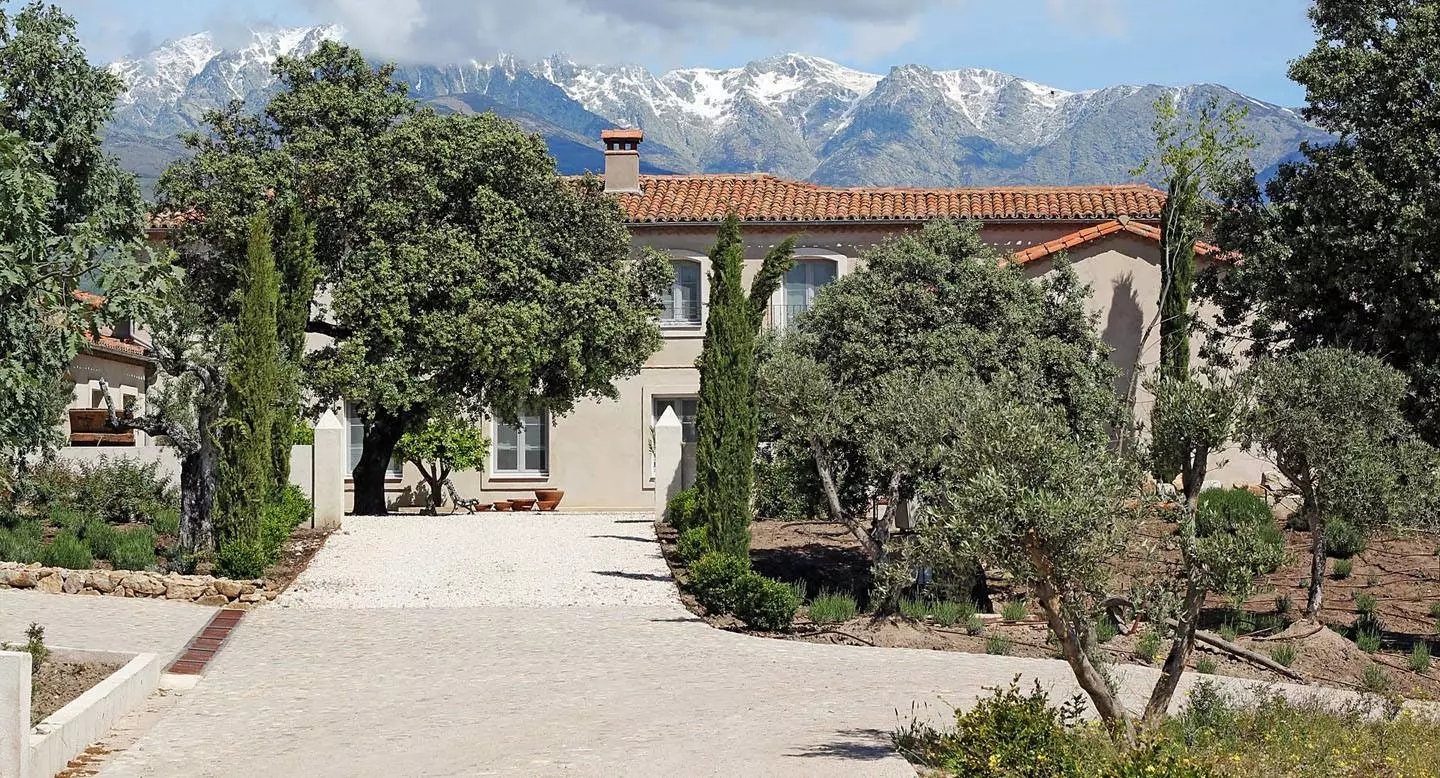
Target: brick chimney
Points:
(622, 159)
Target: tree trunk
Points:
(873, 551)
(382, 433)
(1317, 563)
(198, 484)
(1110, 708)
(1180, 649)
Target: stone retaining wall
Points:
(200, 589)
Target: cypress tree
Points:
(727, 424)
(298, 274)
(251, 391)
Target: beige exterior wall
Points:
(129, 380)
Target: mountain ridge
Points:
(792, 115)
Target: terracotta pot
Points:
(502, 505)
(549, 495)
(523, 504)
(548, 505)
(482, 507)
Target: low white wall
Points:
(14, 713)
(70, 730)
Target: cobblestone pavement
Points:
(103, 623)
(604, 688)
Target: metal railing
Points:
(680, 315)
(783, 316)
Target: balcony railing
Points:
(90, 427)
(687, 314)
(783, 316)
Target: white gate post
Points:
(328, 470)
(15, 713)
(669, 451)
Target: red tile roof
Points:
(1089, 234)
(765, 198)
(106, 342)
(169, 220)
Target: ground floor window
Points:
(355, 444)
(523, 448)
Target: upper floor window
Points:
(802, 283)
(523, 448)
(681, 302)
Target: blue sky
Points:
(1069, 44)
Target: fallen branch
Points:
(1311, 633)
(1244, 653)
(841, 634)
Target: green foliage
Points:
(975, 626)
(999, 645)
(1331, 422)
(948, 613)
(286, 511)
(1014, 610)
(245, 558)
(1284, 654)
(833, 607)
(727, 420)
(1221, 509)
(1435, 610)
(1342, 568)
(1366, 604)
(1105, 630)
(1367, 638)
(1004, 735)
(21, 543)
(1375, 680)
(1206, 665)
(693, 544)
(134, 549)
(298, 273)
(245, 479)
(66, 550)
(72, 217)
(914, 608)
(683, 510)
(1419, 659)
(1148, 646)
(166, 522)
(448, 442)
(1229, 631)
(1344, 539)
(34, 646)
(100, 538)
(786, 485)
(119, 490)
(1282, 604)
(714, 579)
(874, 378)
(764, 603)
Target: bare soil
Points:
(56, 684)
(1401, 572)
(303, 545)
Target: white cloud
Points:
(614, 30)
(1104, 17)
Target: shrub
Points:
(1435, 610)
(694, 543)
(66, 550)
(714, 577)
(34, 646)
(1007, 734)
(1014, 610)
(801, 589)
(915, 609)
(1342, 568)
(948, 613)
(765, 603)
(1105, 629)
(999, 645)
(1368, 639)
(1365, 604)
(166, 522)
(134, 549)
(66, 517)
(975, 625)
(786, 484)
(1375, 679)
(122, 490)
(1228, 631)
(21, 543)
(1205, 665)
(100, 538)
(1343, 539)
(1283, 654)
(1148, 646)
(242, 558)
(683, 510)
(286, 511)
(1419, 660)
(833, 608)
(1221, 510)
(1282, 604)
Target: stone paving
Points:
(313, 685)
(107, 623)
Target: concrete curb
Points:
(67, 732)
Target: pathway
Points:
(526, 645)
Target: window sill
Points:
(389, 479)
(518, 478)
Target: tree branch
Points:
(321, 327)
(181, 437)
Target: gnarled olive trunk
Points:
(197, 485)
(1316, 596)
(1180, 648)
(382, 434)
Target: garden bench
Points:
(457, 501)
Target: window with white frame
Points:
(686, 409)
(802, 283)
(680, 304)
(355, 445)
(523, 448)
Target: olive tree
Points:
(927, 310)
(1332, 422)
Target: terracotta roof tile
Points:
(1081, 237)
(765, 198)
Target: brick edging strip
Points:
(205, 645)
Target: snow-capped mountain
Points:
(792, 115)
